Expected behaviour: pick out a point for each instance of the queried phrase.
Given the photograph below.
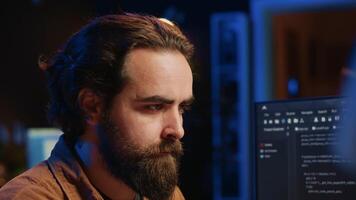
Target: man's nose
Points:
(173, 125)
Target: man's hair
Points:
(93, 58)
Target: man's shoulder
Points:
(35, 183)
(36, 175)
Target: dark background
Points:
(308, 57)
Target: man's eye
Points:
(153, 107)
(184, 108)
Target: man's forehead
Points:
(139, 62)
(166, 75)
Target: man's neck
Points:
(98, 174)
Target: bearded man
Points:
(118, 90)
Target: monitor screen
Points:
(40, 142)
(295, 151)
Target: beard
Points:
(151, 171)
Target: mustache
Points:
(173, 147)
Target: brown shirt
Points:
(59, 177)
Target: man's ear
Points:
(91, 105)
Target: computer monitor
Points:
(295, 151)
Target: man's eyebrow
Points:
(160, 99)
(189, 101)
(155, 99)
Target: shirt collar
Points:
(69, 174)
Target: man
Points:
(118, 90)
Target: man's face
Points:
(140, 137)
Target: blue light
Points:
(36, 2)
(293, 86)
